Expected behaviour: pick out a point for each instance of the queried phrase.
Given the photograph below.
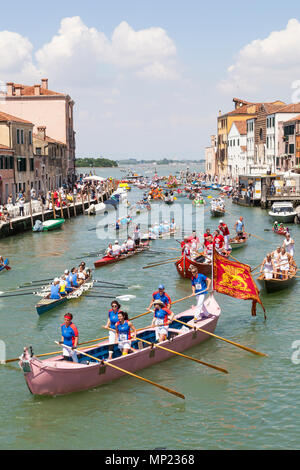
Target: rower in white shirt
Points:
(130, 244)
(116, 248)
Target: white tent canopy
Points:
(94, 178)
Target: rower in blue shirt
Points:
(240, 228)
(111, 325)
(68, 281)
(54, 294)
(74, 277)
(200, 286)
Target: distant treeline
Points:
(94, 162)
(164, 161)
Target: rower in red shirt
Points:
(225, 232)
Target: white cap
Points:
(116, 241)
(66, 271)
(221, 221)
(56, 279)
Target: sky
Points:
(149, 77)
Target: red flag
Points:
(234, 279)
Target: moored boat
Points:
(283, 212)
(55, 376)
(184, 265)
(52, 224)
(46, 304)
(109, 259)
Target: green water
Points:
(254, 406)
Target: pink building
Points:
(48, 108)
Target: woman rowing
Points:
(123, 333)
(268, 267)
(284, 263)
(111, 324)
(161, 319)
(289, 244)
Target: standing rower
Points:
(240, 228)
(111, 323)
(161, 320)
(123, 332)
(161, 295)
(69, 337)
(200, 286)
(289, 244)
(225, 232)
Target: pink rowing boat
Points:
(55, 376)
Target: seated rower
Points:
(1, 261)
(116, 249)
(81, 275)
(275, 225)
(54, 294)
(109, 251)
(74, 276)
(68, 279)
(284, 263)
(161, 319)
(123, 248)
(62, 286)
(85, 270)
(130, 244)
(276, 262)
(268, 267)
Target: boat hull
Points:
(109, 260)
(288, 218)
(215, 213)
(57, 377)
(55, 224)
(275, 285)
(184, 265)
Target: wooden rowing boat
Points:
(55, 376)
(236, 244)
(217, 212)
(109, 259)
(184, 265)
(274, 285)
(46, 304)
(280, 232)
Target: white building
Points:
(237, 146)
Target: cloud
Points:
(267, 63)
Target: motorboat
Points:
(283, 212)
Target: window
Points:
(291, 149)
(22, 136)
(18, 136)
(30, 137)
(22, 164)
(261, 134)
(38, 151)
(31, 162)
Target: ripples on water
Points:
(254, 406)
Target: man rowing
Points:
(240, 228)
(289, 244)
(116, 250)
(268, 267)
(161, 319)
(225, 232)
(130, 244)
(54, 293)
(200, 286)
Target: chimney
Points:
(37, 90)
(42, 132)
(18, 90)
(45, 83)
(9, 88)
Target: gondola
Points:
(46, 304)
(184, 265)
(109, 259)
(217, 212)
(236, 244)
(55, 376)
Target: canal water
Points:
(255, 406)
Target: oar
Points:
(159, 264)
(223, 339)
(259, 238)
(107, 363)
(109, 287)
(34, 282)
(111, 283)
(254, 269)
(100, 296)
(16, 295)
(183, 355)
(162, 261)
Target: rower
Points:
(1, 261)
(130, 244)
(225, 232)
(200, 286)
(208, 248)
(284, 263)
(111, 324)
(116, 249)
(68, 279)
(86, 271)
(161, 320)
(62, 286)
(276, 255)
(218, 241)
(137, 235)
(81, 275)
(123, 333)
(289, 244)
(240, 228)
(123, 248)
(173, 225)
(109, 251)
(161, 295)
(74, 275)
(268, 267)
(69, 337)
(275, 225)
(54, 294)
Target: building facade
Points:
(210, 157)
(44, 107)
(237, 147)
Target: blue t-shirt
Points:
(199, 282)
(69, 333)
(54, 292)
(239, 226)
(113, 318)
(163, 297)
(74, 279)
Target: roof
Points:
(4, 117)
(296, 118)
(4, 147)
(29, 90)
(48, 139)
(241, 127)
(253, 108)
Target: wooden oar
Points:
(107, 363)
(183, 355)
(98, 281)
(254, 269)
(223, 339)
(259, 238)
(159, 264)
